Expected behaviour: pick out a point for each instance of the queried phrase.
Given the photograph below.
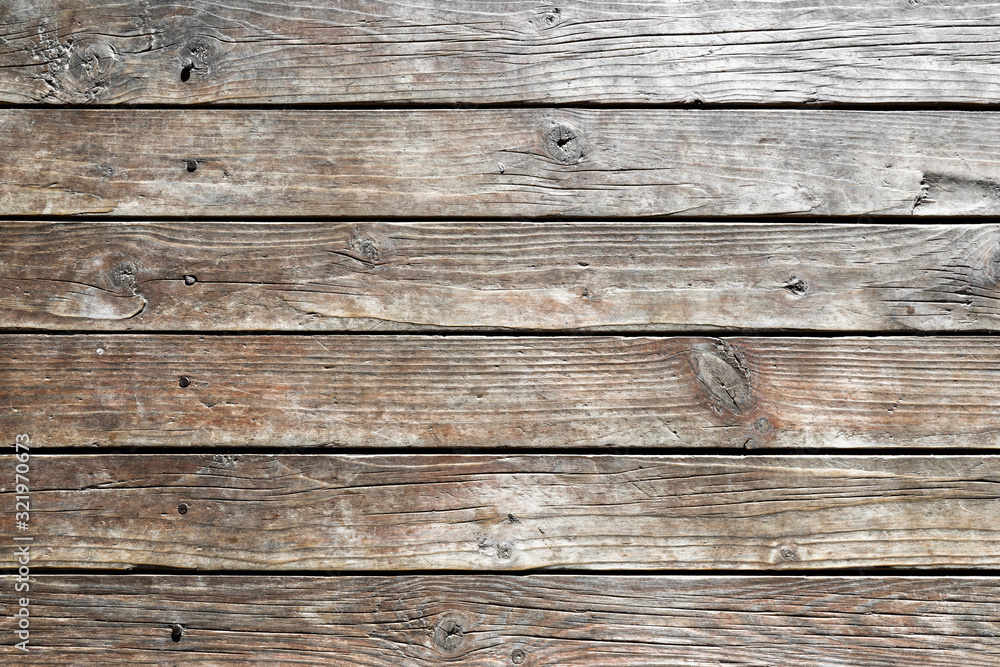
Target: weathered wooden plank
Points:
(498, 620)
(666, 277)
(469, 512)
(130, 391)
(112, 51)
(497, 162)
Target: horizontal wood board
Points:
(133, 391)
(691, 621)
(498, 163)
(509, 52)
(476, 276)
(467, 512)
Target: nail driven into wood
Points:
(192, 165)
(517, 656)
(183, 381)
(190, 280)
(176, 632)
(182, 508)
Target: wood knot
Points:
(724, 378)
(366, 248)
(993, 266)
(450, 633)
(796, 286)
(90, 67)
(564, 143)
(788, 554)
(547, 18)
(196, 56)
(505, 551)
(122, 276)
(94, 61)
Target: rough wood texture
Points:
(497, 162)
(112, 51)
(347, 512)
(665, 277)
(398, 391)
(534, 620)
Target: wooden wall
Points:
(500, 332)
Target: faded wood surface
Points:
(498, 162)
(557, 276)
(499, 620)
(113, 51)
(128, 391)
(465, 512)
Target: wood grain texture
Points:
(557, 276)
(500, 620)
(467, 512)
(498, 163)
(133, 391)
(328, 51)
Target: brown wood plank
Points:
(329, 51)
(469, 512)
(560, 276)
(501, 620)
(132, 391)
(497, 162)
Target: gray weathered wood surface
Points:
(505, 51)
(498, 162)
(490, 512)
(500, 620)
(556, 276)
(129, 391)
(504, 169)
